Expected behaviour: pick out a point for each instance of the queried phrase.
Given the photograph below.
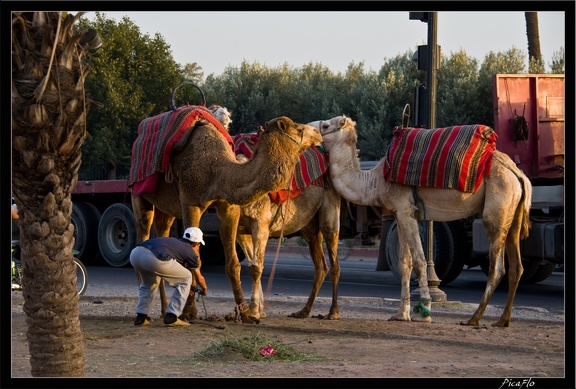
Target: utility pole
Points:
(429, 60)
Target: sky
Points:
(217, 39)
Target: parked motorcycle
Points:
(81, 272)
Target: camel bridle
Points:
(290, 136)
(341, 126)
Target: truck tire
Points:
(212, 254)
(443, 249)
(85, 218)
(117, 234)
(543, 271)
(461, 249)
(530, 268)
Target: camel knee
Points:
(255, 271)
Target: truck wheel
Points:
(530, 268)
(117, 234)
(543, 271)
(85, 218)
(442, 249)
(460, 250)
(212, 254)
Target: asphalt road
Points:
(291, 275)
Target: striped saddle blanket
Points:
(157, 136)
(309, 170)
(455, 157)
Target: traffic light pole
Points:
(433, 61)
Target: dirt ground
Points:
(362, 344)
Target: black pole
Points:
(433, 60)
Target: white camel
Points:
(503, 198)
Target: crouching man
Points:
(172, 260)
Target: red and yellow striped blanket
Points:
(309, 170)
(455, 157)
(156, 137)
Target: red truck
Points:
(529, 121)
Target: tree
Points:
(536, 64)
(133, 75)
(558, 61)
(49, 107)
(193, 72)
(457, 78)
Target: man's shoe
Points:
(178, 323)
(142, 320)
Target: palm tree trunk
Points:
(48, 128)
(533, 34)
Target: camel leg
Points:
(412, 254)
(191, 218)
(515, 270)
(144, 215)
(404, 268)
(162, 224)
(329, 217)
(314, 240)
(143, 212)
(260, 234)
(497, 271)
(332, 247)
(229, 219)
(246, 243)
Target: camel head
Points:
(303, 134)
(337, 129)
(222, 114)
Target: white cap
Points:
(193, 234)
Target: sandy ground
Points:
(362, 344)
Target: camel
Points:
(316, 214)
(503, 198)
(204, 172)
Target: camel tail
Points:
(525, 205)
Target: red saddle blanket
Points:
(156, 137)
(309, 170)
(455, 157)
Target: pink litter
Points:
(267, 351)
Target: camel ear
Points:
(282, 123)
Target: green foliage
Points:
(133, 75)
(249, 349)
(558, 61)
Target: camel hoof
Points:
(299, 315)
(399, 318)
(421, 319)
(501, 324)
(469, 323)
(250, 320)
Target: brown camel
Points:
(503, 198)
(205, 172)
(316, 214)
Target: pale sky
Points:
(215, 40)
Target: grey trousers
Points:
(152, 271)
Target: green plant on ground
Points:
(249, 348)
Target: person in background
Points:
(362, 226)
(15, 229)
(169, 259)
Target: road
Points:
(291, 275)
